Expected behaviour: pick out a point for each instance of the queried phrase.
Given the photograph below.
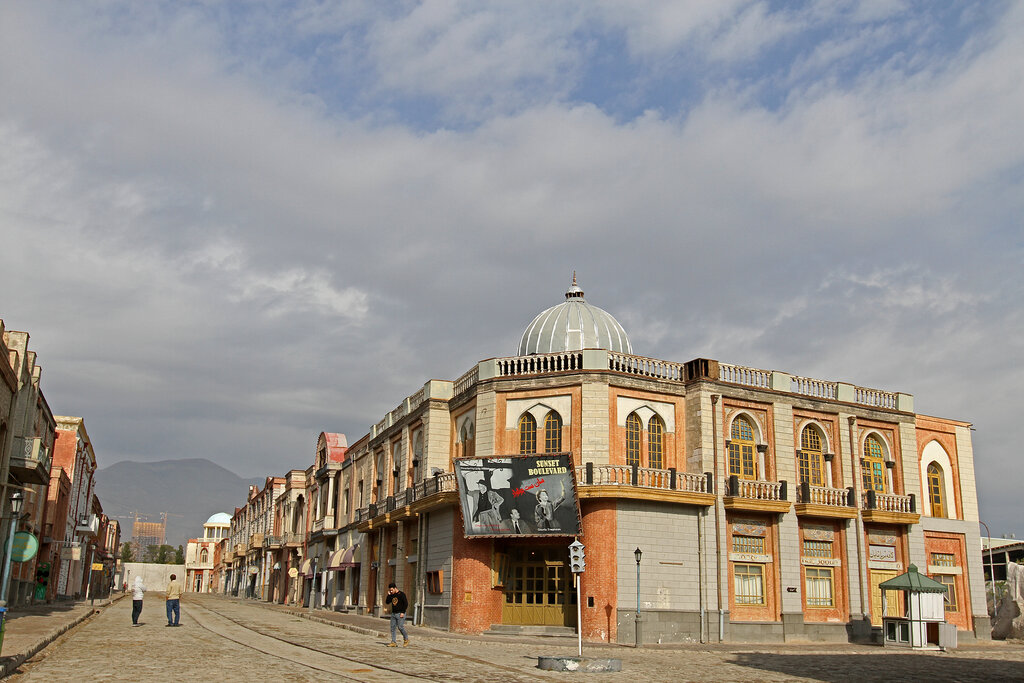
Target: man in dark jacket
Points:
(399, 604)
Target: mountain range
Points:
(188, 490)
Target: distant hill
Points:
(191, 490)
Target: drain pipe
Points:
(702, 576)
(718, 520)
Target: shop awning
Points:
(349, 558)
(277, 565)
(307, 567)
(334, 561)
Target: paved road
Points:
(225, 640)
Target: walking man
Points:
(137, 593)
(399, 604)
(174, 591)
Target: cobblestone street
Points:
(228, 640)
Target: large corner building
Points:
(767, 506)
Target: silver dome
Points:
(574, 325)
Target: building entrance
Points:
(539, 588)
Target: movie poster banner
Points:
(522, 495)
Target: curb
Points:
(11, 665)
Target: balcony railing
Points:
(823, 495)
(751, 377)
(755, 489)
(646, 367)
(273, 541)
(625, 475)
(437, 484)
(318, 525)
(887, 502)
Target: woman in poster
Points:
(544, 513)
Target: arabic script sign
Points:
(525, 495)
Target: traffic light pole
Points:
(578, 563)
(579, 614)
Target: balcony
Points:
(89, 524)
(273, 542)
(755, 495)
(30, 461)
(822, 501)
(428, 494)
(294, 540)
(888, 508)
(642, 483)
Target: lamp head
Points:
(637, 554)
(16, 500)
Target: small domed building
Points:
(751, 504)
(199, 554)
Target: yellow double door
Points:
(539, 589)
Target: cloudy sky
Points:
(230, 226)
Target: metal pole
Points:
(579, 616)
(7, 564)
(991, 572)
(639, 619)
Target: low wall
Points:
(155, 577)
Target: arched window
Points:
(656, 443)
(552, 433)
(204, 556)
(468, 439)
(810, 460)
(936, 490)
(873, 466)
(633, 440)
(527, 434)
(741, 449)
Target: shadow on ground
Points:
(918, 666)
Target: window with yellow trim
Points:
(873, 466)
(748, 584)
(552, 433)
(943, 560)
(633, 439)
(936, 490)
(527, 434)
(817, 548)
(741, 449)
(810, 458)
(949, 581)
(656, 443)
(818, 581)
(748, 544)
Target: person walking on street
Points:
(174, 591)
(399, 604)
(137, 593)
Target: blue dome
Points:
(219, 519)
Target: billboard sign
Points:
(522, 495)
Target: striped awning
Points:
(334, 561)
(349, 558)
(307, 567)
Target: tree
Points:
(126, 552)
(164, 554)
(179, 555)
(151, 553)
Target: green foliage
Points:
(126, 552)
(151, 553)
(179, 555)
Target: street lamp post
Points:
(991, 572)
(16, 500)
(639, 620)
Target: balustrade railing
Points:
(539, 363)
(823, 495)
(626, 475)
(755, 489)
(738, 374)
(817, 388)
(646, 367)
(888, 502)
(462, 384)
(875, 397)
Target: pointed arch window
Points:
(936, 490)
(741, 449)
(873, 466)
(527, 434)
(810, 459)
(656, 443)
(552, 433)
(633, 427)
(204, 556)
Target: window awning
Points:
(277, 565)
(307, 567)
(334, 561)
(344, 558)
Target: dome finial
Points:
(574, 293)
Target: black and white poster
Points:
(524, 495)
